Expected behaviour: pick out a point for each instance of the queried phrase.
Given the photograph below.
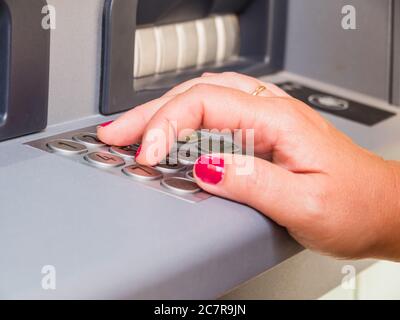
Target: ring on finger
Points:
(258, 90)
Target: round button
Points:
(142, 173)
(170, 165)
(180, 185)
(104, 160)
(128, 151)
(66, 147)
(214, 145)
(328, 102)
(89, 139)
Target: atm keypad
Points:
(173, 176)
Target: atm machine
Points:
(76, 221)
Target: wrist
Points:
(390, 231)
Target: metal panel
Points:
(24, 68)
(318, 46)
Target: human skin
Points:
(331, 195)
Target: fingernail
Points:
(138, 151)
(209, 169)
(105, 124)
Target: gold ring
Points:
(259, 90)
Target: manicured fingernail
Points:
(138, 151)
(209, 169)
(105, 124)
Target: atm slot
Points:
(174, 47)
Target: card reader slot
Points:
(174, 47)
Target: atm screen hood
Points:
(24, 68)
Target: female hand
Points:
(330, 194)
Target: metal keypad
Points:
(171, 176)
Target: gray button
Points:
(89, 139)
(104, 160)
(328, 102)
(128, 151)
(180, 185)
(215, 145)
(142, 173)
(170, 165)
(189, 175)
(66, 147)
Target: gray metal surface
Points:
(75, 60)
(109, 238)
(318, 47)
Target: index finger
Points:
(211, 107)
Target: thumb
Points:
(278, 193)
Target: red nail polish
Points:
(138, 151)
(105, 124)
(209, 169)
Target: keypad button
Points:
(170, 165)
(180, 185)
(66, 147)
(215, 145)
(142, 173)
(88, 139)
(105, 160)
(328, 102)
(128, 151)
